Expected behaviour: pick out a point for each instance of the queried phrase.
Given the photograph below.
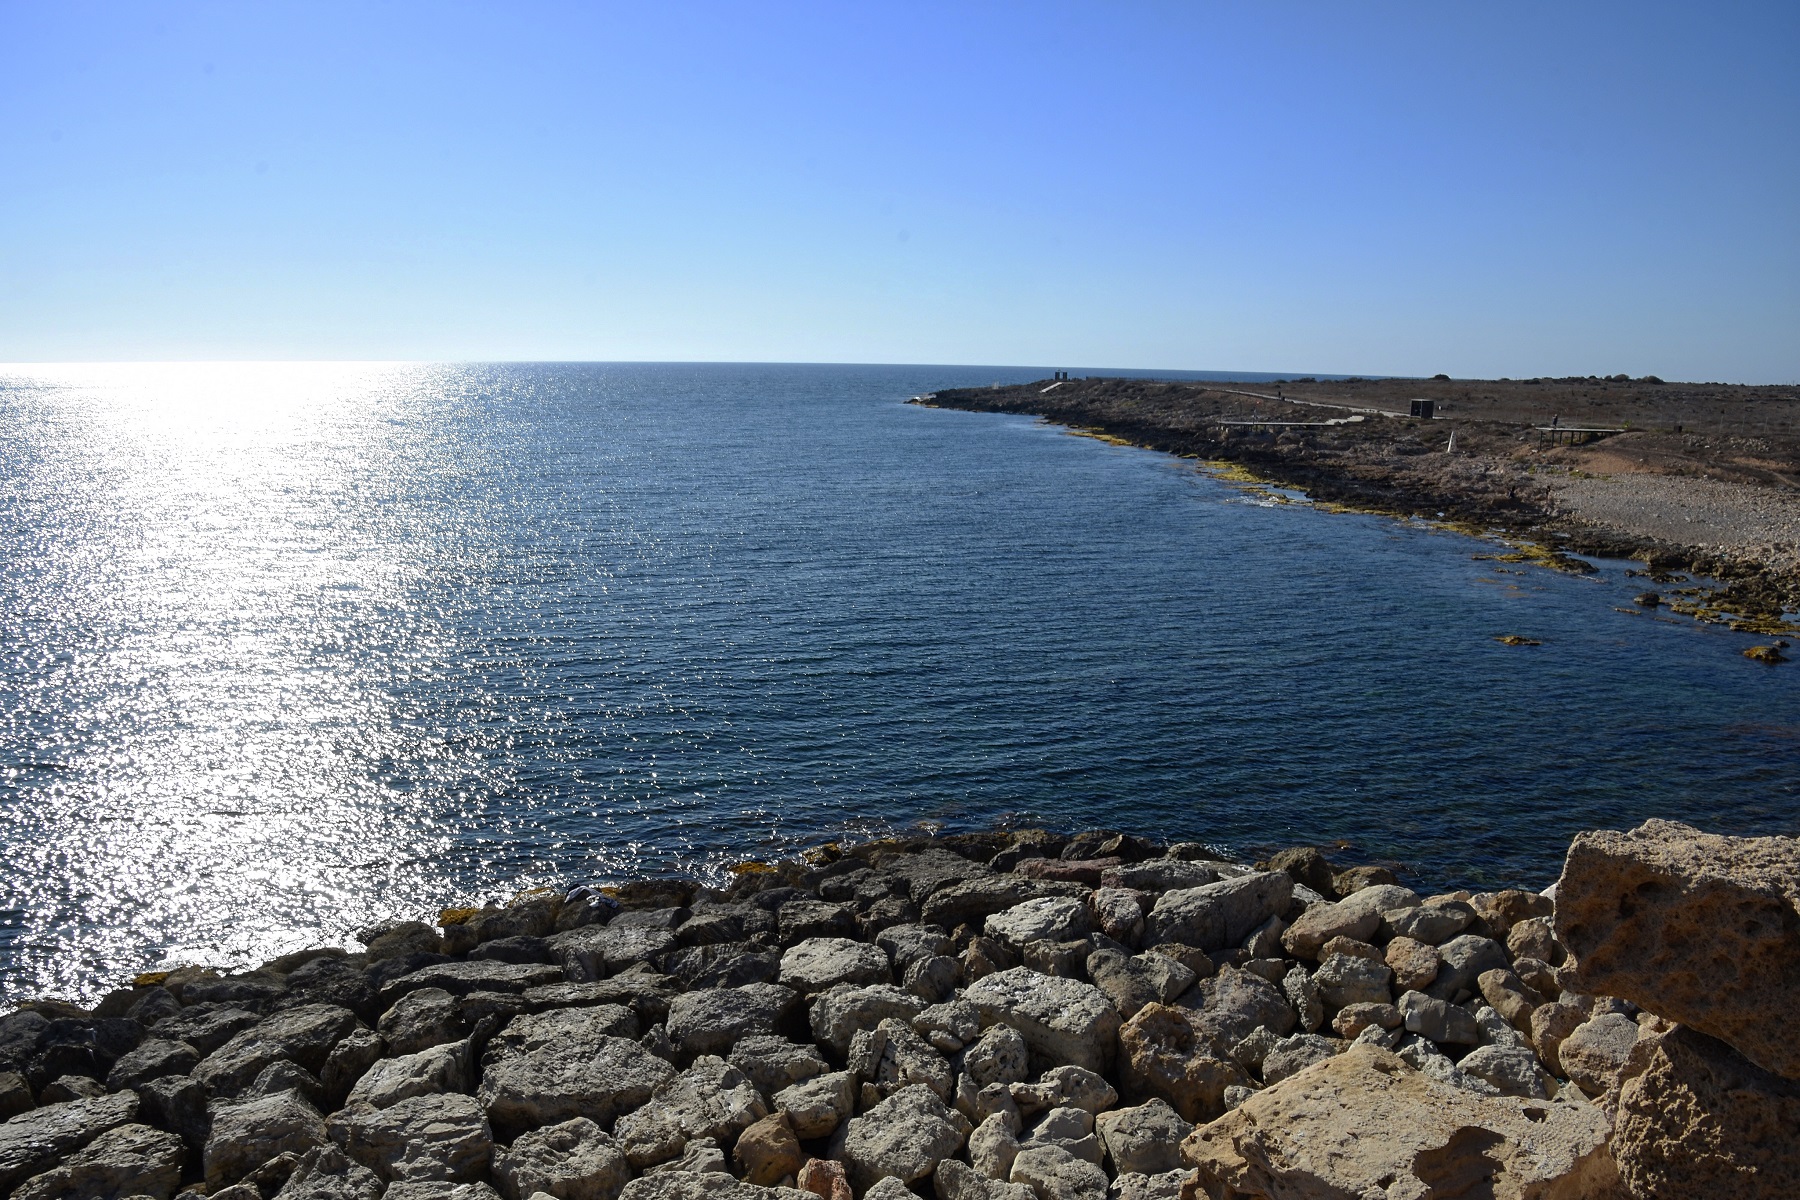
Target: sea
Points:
(286, 649)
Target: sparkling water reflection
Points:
(291, 647)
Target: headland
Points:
(1691, 479)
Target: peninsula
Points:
(1689, 478)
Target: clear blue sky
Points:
(1483, 189)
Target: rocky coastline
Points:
(1693, 487)
(1011, 1016)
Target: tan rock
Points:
(1538, 975)
(1356, 917)
(1349, 947)
(1693, 1119)
(1507, 994)
(1352, 1019)
(767, 1152)
(1535, 937)
(1596, 1051)
(1357, 879)
(1414, 963)
(1695, 927)
(1504, 909)
(1162, 1055)
(1364, 1123)
(1550, 1024)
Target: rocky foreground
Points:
(1016, 1016)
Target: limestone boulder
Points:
(972, 901)
(1295, 1053)
(768, 1150)
(1505, 909)
(127, 1160)
(440, 1069)
(245, 1136)
(838, 1014)
(905, 1136)
(1228, 1007)
(596, 951)
(596, 1076)
(711, 1099)
(1070, 1128)
(822, 963)
(1049, 918)
(1551, 1024)
(1364, 1123)
(711, 1020)
(1433, 922)
(1162, 1055)
(573, 1160)
(1135, 1185)
(1596, 1051)
(723, 964)
(1160, 874)
(39, 1139)
(891, 1056)
(773, 1063)
(994, 1144)
(1054, 1173)
(204, 1026)
(475, 975)
(1145, 1138)
(1065, 1087)
(443, 1137)
(303, 1036)
(953, 1180)
(816, 1106)
(1461, 963)
(1694, 927)
(1509, 1070)
(1062, 1020)
(703, 1185)
(327, 1173)
(1692, 1117)
(1413, 962)
(1118, 913)
(1356, 916)
(1217, 915)
(905, 944)
(1436, 1021)
(420, 1020)
(1353, 979)
(151, 1059)
(999, 1055)
(1132, 981)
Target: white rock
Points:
(1062, 1020)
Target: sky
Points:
(1376, 188)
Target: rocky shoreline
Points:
(1007, 1016)
(1339, 442)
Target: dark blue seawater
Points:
(290, 647)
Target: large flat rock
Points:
(1364, 1123)
(1695, 927)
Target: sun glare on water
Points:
(222, 587)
